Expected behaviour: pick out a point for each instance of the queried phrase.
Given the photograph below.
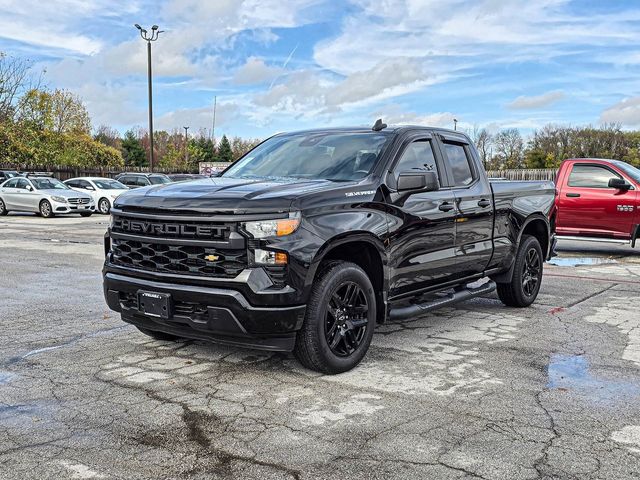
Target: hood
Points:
(64, 193)
(224, 195)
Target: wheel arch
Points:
(536, 225)
(366, 251)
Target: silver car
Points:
(44, 195)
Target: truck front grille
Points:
(178, 259)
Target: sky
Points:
(281, 65)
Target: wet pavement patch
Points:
(572, 373)
(6, 377)
(578, 261)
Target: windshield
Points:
(109, 185)
(48, 184)
(158, 180)
(10, 174)
(630, 170)
(329, 156)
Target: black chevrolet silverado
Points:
(314, 237)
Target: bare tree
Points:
(15, 80)
(509, 148)
(482, 140)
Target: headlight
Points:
(59, 199)
(274, 228)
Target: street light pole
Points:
(455, 124)
(186, 145)
(155, 33)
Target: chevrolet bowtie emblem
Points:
(211, 258)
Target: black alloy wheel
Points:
(531, 272)
(340, 319)
(523, 287)
(346, 319)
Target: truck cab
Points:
(598, 199)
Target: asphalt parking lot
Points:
(479, 391)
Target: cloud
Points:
(625, 112)
(536, 101)
(198, 119)
(255, 71)
(311, 92)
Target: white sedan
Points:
(103, 190)
(47, 196)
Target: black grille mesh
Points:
(181, 259)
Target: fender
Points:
(343, 239)
(507, 276)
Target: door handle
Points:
(484, 203)
(446, 207)
(573, 195)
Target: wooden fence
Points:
(64, 173)
(525, 174)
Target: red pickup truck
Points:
(598, 199)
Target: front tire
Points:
(524, 286)
(104, 207)
(46, 210)
(339, 321)
(158, 335)
(3, 208)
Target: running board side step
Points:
(409, 311)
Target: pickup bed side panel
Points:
(515, 202)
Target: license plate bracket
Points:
(155, 304)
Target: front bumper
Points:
(61, 208)
(206, 313)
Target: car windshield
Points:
(48, 184)
(630, 170)
(158, 180)
(341, 156)
(10, 174)
(109, 185)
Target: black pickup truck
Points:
(314, 237)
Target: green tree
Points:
(535, 159)
(133, 151)
(225, 154)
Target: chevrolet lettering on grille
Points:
(155, 228)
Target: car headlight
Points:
(273, 228)
(59, 199)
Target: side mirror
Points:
(89, 187)
(29, 188)
(417, 182)
(619, 183)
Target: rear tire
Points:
(339, 321)
(158, 335)
(524, 286)
(46, 210)
(3, 208)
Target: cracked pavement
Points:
(476, 391)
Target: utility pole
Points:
(155, 33)
(213, 130)
(186, 145)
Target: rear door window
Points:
(459, 164)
